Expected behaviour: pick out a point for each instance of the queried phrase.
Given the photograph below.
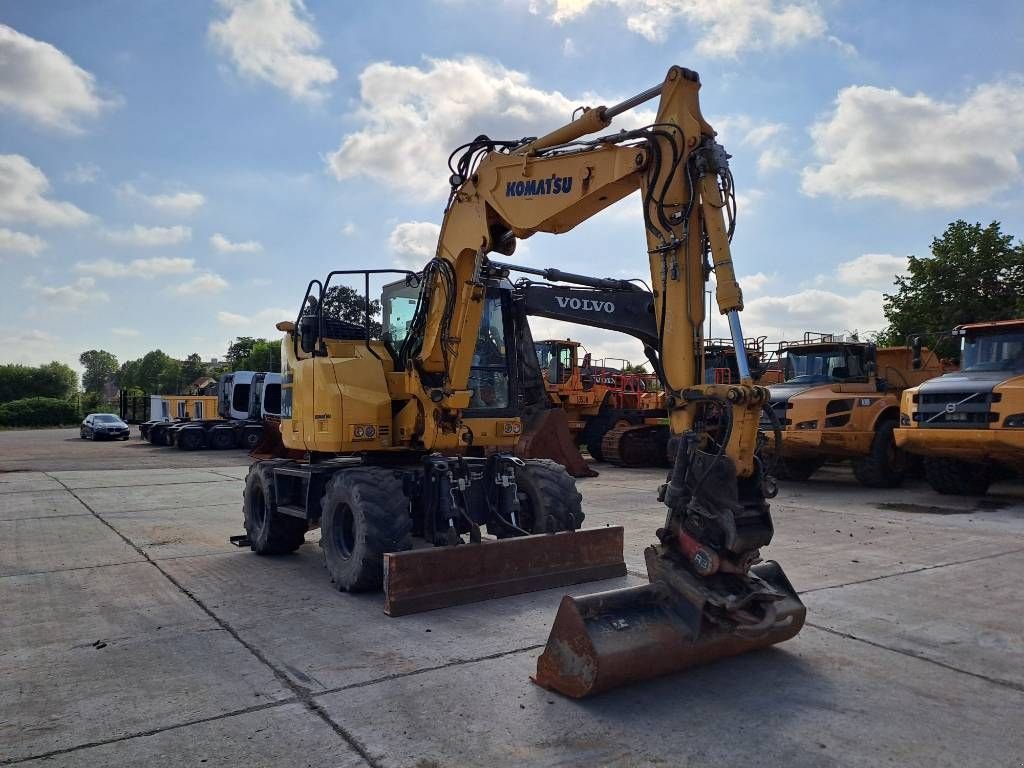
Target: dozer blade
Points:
(438, 577)
(547, 436)
(608, 639)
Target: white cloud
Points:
(126, 333)
(23, 190)
(411, 118)
(414, 242)
(753, 283)
(917, 150)
(207, 283)
(349, 229)
(813, 309)
(181, 203)
(875, 270)
(223, 245)
(158, 266)
(772, 159)
(19, 242)
(82, 291)
(83, 173)
(274, 41)
(747, 201)
(43, 84)
(723, 27)
(149, 237)
(261, 323)
(569, 48)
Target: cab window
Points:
(488, 379)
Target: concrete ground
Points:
(133, 634)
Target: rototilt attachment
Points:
(709, 595)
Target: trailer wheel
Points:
(251, 437)
(190, 439)
(955, 477)
(796, 469)
(885, 466)
(269, 531)
(221, 439)
(549, 501)
(364, 513)
(158, 436)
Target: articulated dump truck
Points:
(969, 425)
(840, 400)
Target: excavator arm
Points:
(709, 593)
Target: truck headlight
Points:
(904, 420)
(1014, 420)
(807, 424)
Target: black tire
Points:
(955, 477)
(364, 513)
(190, 439)
(269, 532)
(81, 433)
(251, 436)
(885, 466)
(221, 439)
(548, 499)
(796, 469)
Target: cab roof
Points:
(1001, 325)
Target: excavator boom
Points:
(709, 595)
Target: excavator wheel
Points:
(885, 466)
(364, 513)
(955, 477)
(642, 445)
(269, 531)
(548, 498)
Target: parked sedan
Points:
(103, 425)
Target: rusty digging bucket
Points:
(547, 436)
(608, 639)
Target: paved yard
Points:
(133, 634)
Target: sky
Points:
(172, 174)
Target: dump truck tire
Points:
(885, 466)
(796, 469)
(269, 532)
(548, 497)
(364, 513)
(955, 477)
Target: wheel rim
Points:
(251, 439)
(344, 530)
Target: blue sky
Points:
(172, 174)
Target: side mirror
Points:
(915, 352)
(308, 333)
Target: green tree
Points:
(129, 375)
(974, 274)
(54, 380)
(344, 303)
(239, 351)
(100, 366)
(192, 368)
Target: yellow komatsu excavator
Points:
(411, 436)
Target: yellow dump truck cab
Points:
(969, 425)
(839, 400)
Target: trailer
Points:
(245, 399)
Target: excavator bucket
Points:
(605, 640)
(438, 577)
(547, 436)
